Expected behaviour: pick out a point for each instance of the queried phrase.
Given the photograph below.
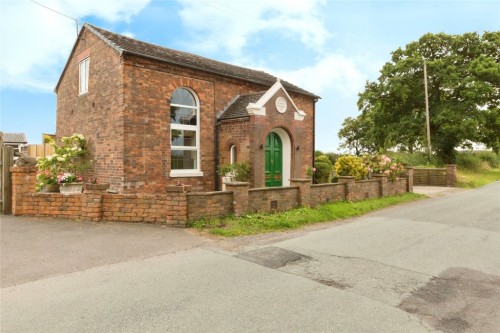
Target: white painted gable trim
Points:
(259, 109)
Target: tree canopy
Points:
(464, 97)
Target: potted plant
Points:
(70, 183)
(234, 172)
(46, 182)
(66, 165)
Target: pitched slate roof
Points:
(129, 45)
(238, 107)
(14, 138)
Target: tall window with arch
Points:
(184, 133)
(232, 154)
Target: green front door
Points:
(274, 156)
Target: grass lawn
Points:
(473, 179)
(292, 219)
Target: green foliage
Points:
(351, 166)
(416, 159)
(239, 171)
(477, 161)
(260, 223)
(490, 157)
(324, 169)
(464, 97)
(473, 179)
(70, 157)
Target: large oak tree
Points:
(464, 97)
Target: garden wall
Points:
(178, 205)
(209, 205)
(277, 199)
(436, 176)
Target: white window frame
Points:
(187, 172)
(232, 154)
(83, 76)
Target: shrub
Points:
(323, 173)
(239, 171)
(70, 157)
(382, 164)
(351, 166)
(489, 157)
(470, 161)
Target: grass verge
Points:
(261, 223)
(477, 178)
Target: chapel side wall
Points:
(97, 114)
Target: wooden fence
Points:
(435, 176)
(6, 161)
(40, 150)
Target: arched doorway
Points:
(274, 160)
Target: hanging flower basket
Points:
(71, 188)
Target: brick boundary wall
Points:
(96, 204)
(436, 176)
(178, 205)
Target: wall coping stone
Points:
(206, 194)
(327, 184)
(238, 184)
(270, 189)
(23, 168)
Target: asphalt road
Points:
(427, 266)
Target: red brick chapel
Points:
(155, 117)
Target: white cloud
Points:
(35, 40)
(332, 72)
(230, 24)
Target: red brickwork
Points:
(97, 114)
(178, 205)
(209, 205)
(126, 117)
(277, 199)
(396, 187)
(324, 193)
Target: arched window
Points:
(184, 134)
(232, 154)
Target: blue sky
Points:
(327, 47)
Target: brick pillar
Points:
(304, 186)
(349, 186)
(409, 179)
(240, 196)
(382, 179)
(177, 205)
(23, 182)
(92, 206)
(451, 175)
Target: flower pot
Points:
(226, 179)
(50, 188)
(71, 188)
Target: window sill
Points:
(188, 173)
(83, 94)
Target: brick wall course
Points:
(126, 117)
(284, 198)
(178, 205)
